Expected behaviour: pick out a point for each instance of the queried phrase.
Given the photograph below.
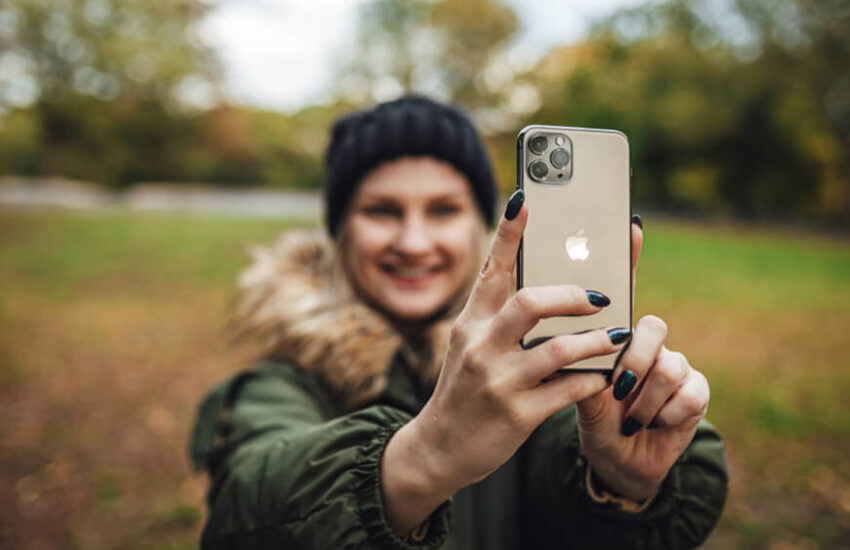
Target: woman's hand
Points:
(489, 397)
(653, 387)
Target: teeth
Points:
(412, 273)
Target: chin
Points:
(409, 312)
(412, 308)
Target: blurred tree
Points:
(83, 66)
(442, 48)
(739, 105)
(472, 34)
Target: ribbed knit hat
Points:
(410, 126)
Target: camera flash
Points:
(560, 140)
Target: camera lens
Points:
(538, 170)
(538, 144)
(559, 158)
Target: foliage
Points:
(732, 107)
(441, 48)
(104, 76)
(740, 107)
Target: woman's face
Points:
(413, 236)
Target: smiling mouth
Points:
(408, 273)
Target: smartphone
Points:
(577, 184)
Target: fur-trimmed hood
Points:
(295, 303)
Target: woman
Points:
(395, 408)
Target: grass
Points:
(112, 329)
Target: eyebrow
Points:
(380, 197)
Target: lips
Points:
(411, 274)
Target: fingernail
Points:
(514, 204)
(652, 425)
(597, 298)
(630, 427)
(618, 335)
(636, 219)
(624, 385)
(607, 375)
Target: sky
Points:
(283, 54)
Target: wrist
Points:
(599, 494)
(615, 481)
(412, 483)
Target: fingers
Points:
(663, 380)
(547, 399)
(637, 245)
(647, 339)
(541, 361)
(687, 406)
(531, 304)
(494, 283)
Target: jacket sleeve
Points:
(288, 473)
(559, 513)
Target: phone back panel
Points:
(593, 208)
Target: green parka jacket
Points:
(293, 446)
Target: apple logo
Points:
(577, 246)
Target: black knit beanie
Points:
(410, 126)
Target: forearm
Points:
(413, 484)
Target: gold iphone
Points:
(577, 184)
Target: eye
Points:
(382, 211)
(444, 210)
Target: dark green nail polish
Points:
(624, 385)
(597, 298)
(607, 375)
(630, 427)
(514, 204)
(636, 219)
(619, 335)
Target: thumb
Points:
(592, 410)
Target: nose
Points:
(413, 238)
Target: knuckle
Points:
(506, 232)
(571, 394)
(654, 324)
(638, 359)
(667, 373)
(526, 301)
(486, 267)
(693, 402)
(473, 360)
(459, 333)
(580, 388)
(562, 351)
(576, 294)
(706, 389)
(671, 369)
(680, 359)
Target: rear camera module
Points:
(538, 145)
(559, 158)
(538, 169)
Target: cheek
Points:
(367, 241)
(459, 242)
(365, 245)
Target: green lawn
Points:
(113, 327)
